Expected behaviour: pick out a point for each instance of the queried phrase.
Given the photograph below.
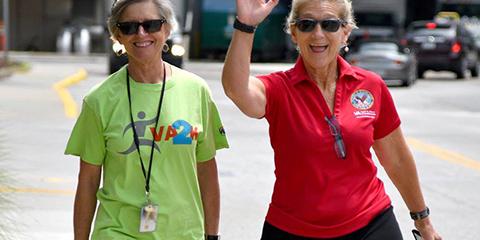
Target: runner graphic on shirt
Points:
(140, 127)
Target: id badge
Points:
(148, 218)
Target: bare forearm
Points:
(405, 178)
(84, 210)
(85, 199)
(210, 191)
(398, 162)
(236, 71)
(396, 158)
(211, 207)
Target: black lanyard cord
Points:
(135, 135)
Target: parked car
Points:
(174, 55)
(443, 45)
(373, 25)
(387, 58)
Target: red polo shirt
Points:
(317, 194)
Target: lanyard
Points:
(135, 136)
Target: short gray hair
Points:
(346, 12)
(164, 8)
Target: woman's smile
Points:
(318, 48)
(143, 44)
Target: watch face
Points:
(213, 237)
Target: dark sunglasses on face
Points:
(150, 26)
(328, 25)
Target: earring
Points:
(166, 48)
(346, 49)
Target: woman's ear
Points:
(293, 33)
(347, 30)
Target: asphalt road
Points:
(440, 117)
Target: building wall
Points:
(35, 23)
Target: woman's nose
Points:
(141, 30)
(318, 30)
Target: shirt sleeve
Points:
(388, 119)
(86, 139)
(270, 92)
(213, 136)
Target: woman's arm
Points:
(395, 156)
(85, 199)
(210, 190)
(247, 92)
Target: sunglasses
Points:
(150, 26)
(328, 25)
(337, 135)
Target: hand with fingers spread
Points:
(253, 12)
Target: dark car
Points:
(443, 45)
(387, 58)
(174, 55)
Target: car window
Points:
(378, 46)
(447, 32)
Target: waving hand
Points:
(253, 12)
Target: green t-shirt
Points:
(189, 131)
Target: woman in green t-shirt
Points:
(153, 130)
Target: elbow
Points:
(226, 84)
(229, 90)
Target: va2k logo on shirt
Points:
(165, 133)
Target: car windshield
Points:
(435, 32)
(378, 46)
(432, 29)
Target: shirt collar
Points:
(298, 73)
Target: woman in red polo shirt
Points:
(326, 182)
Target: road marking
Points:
(70, 107)
(36, 190)
(444, 154)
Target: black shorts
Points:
(382, 227)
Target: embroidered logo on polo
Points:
(179, 132)
(363, 100)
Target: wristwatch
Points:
(212, 237)
(420, 215)
(243, 27)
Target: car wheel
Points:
(406, 83)
(420, 72)
(461, 69)
(412, 77)
(475, 70)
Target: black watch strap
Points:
(420, 215)
(243, 27)
(212, 237)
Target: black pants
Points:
(383, 227)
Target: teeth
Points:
(143, 44)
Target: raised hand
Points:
(253, 12)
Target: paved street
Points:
(440, 116)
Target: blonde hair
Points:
(164, 9)
(346, 12)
